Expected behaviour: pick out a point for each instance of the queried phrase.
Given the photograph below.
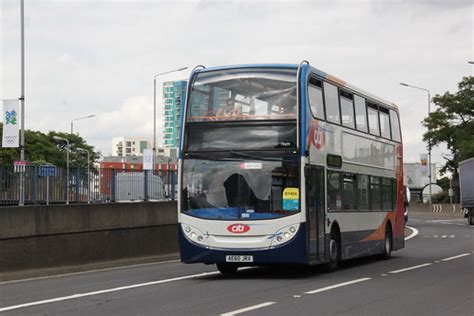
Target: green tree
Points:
(444, 183)
(452, 123)
(76, 158)
(41, 148)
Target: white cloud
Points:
(99, 57)
(133, 118)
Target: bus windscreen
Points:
(243, 94)
(240, 189)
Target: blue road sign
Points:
(47, 171)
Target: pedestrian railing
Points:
(100, 185)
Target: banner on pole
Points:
(11, 118)
(424, 164)
(147, 159)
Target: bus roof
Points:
(318, 72)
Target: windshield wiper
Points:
(236, 154)
(204, 156)
(250, 156)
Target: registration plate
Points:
(238, 258)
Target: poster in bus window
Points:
(291, 198)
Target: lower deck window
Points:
(358, 192)
(363, 192)
(334, 191)
(350, 195)
(387, 194)
(375, 194)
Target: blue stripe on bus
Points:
(183, 105)
(232, 213)
(303, 109)
(290, 66)
(319, 72)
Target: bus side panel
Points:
(293, 252)
(362, 233)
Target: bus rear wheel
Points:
(227, 268)
(387, 244)
(334, 253)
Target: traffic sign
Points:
(47, 171)
(19, 165)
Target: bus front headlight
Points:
(285, 234)
(193, 234)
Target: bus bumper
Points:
(292, 252)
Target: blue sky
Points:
(99, 57)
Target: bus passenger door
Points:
(315, 215)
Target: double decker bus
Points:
(286, 164)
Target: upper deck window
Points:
(384, 122)
(243, 94)
(396, 135)
(315, 91)
(332, 103)
(361, 113)
(373, 119)
(347, 108)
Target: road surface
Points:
(433, 275)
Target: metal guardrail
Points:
(100, 186)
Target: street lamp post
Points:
(79, 118)
(22, 101)
(57, 138)
(429, 140)
(154, 105)
(88, 173)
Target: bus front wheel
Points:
(227, 268)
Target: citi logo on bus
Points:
(238, 228)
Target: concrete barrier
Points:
(34, 237)
(444, 208)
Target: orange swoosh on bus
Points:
(379, 233)
(337, 80)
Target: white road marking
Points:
(90, 271)
(452, 236)
(116, 289)
(327, 288)
(455, 257)
(247, 309)
(444, 236)
(296, 296)
(413, 234)
(384, 274)
(410, 268)
(435, 236)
